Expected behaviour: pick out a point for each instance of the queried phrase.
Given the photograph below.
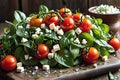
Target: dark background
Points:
(7, 7)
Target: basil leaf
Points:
(99, 21)
(70, 34)
(43, 9)
(87, 37)
(64, 42)
(64, 58)
(52, 36)
(105, 28)
(96, 33)
(19, 16)
(104, 52)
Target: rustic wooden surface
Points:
(15, 76)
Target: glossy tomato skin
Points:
(34, 21)
(51, 18)
(67, 24)
(65, 12)
(86, 25)
(115, 43)
(77, 18)
(9, 63)
(92, 55)
(42, 52)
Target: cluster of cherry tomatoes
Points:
(67, 21)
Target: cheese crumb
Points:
(104, 58)
(95, 65)
(78, 31)
(52, 26)
(84, 41)
(56, 47)
(20, 69)
(50, 55)
(77, 41)
(24, 40)
(20, 27)
(34, 36)
(42, 25)
(19, 64)
(60, 32)
(46, 67)
(26, 57)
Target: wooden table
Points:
(116, 73)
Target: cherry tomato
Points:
(51, 18)
(77, 18)
(92, 55)
(42, 52)
(34, 21)
(115, 43)
(9, 63)
(65, 12)
(67, 24)
(86, 25)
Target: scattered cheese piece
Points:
(34, 36)
(20, 27)
(56, 47)
(46, 67)
(52, 26)
(60, 32)
(50, 55)
(26, 57)
(20, 69)
(78, 31)
(24, 40)
(42, 25)
(84, 41)
(77, 41)
(95, 65)
(104, 58)
(19, 64)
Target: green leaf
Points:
(19, 53)
(43, 9)
(50, 62)
(105, 28)
(39, 40)
(111, 76)
(87, 37)
(64, 42)
(104, 52)
(75, 51)
(99, 20)
(96, 33)
(64, 58)
(26, 44)
(19, 16)
(52, 36)
(70, 34)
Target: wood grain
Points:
(7, 8)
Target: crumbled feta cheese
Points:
(53, 51)
(104, 58)
(19, 64)
(50, 55)
(84, 41)
(20, 27)
(46, 67)
(34, 36)
(48, 31)
(42, 25)
(20, 69)
(60, 32)
(9, 36)
(95, 65)
(56, 47)
(37, 30)
(52, 26)
(27, 26)
(28, 19)
(78, 31)
(26, 57)
(36, 67)
(77, 41)
(24, 40)
(30, 57)
(59, 37)
(56, 28)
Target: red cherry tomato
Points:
(115, 43)
(43, 51)
(67, 24)
(86, 25)
(77, 18)
(51, 18)
(65, 12)
(9, 63)
(92, 55)
(34, 21)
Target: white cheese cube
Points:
(20, 69)
(59, 37)
(52, 26)
(60, 32)
(48, 31)
(19, 64)
(27, 26)
(46, 67)
(37, 30)
(24, 40)
(104, 58)
(28, 19)
(56, 28)
(43, 25)
(30, 57)
(84, 41)
(34, 36)
(95, 65)
(50, 55)
(36, 67)
(78, 31)
(26, 57)
(20, 27)
(77, 41)
(56, 47)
